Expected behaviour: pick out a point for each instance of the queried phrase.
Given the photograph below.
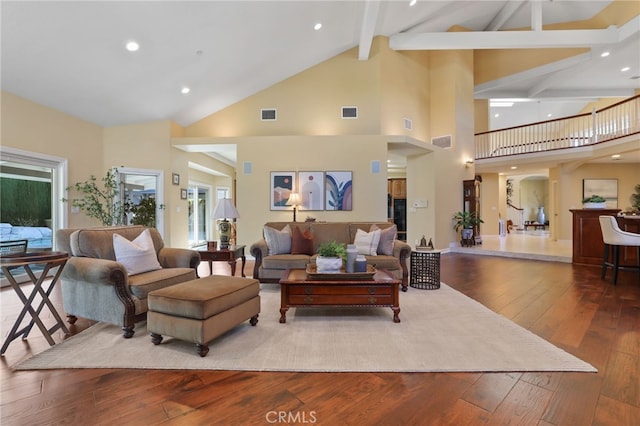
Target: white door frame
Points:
(159, 174)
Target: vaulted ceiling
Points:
(71, 56)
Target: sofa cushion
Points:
(302, 242)
(367, 242)
(98, 242)
(278, 242)
(136, 256)
(286, 261)
(142, 284)
(329, 231)
(387, 238)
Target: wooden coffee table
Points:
(298, 290)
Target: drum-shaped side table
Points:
(425, 269)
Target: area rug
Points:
(440, 330)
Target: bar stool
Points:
(615, 237)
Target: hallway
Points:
(535, 245)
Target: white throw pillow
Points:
(278, 242)
(137, 256)
(367, 242)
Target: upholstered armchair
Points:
(96, 286)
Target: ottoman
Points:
(200, 310)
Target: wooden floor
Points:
(565, 304)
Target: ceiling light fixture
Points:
(185, 90)
(514, 167)
(413, 2)
(625, 69)
(605, 54)
(615, 157)
(132, 46)
(496, 115)
(317, 26)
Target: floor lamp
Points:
(225, 210)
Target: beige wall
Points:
(35, 128)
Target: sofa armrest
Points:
(259, 250)
(96, 272)
(170, 257)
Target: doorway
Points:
(141, 191)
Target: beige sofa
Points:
(97, 287)
(269, 268)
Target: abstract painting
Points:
(311, 189)
(338, 190)
(282, 185)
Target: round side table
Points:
(425, 269)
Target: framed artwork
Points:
(282, 185)
(183, 193)
(338, 190)
(607, 188)
(175, 178)
(311, 190)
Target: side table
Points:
(49, 260)
(425, 269)
(229, 255)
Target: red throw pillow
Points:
(301, 242)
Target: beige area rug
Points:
(441, 330)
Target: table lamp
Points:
(294, 200)
(225, 210)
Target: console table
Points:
(49, 260)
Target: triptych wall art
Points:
(330, 190)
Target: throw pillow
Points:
(136, 256)
(302, 242)
(387, 238)
(278, 242)
(367, 242)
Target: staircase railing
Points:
(616, 121)
(515, 215)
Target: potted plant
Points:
(465, 222)
(594, 202)
(330, 257)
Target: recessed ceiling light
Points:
(317, 26)
(615, 157)
(496, 115)
(549, 115)
(185, 90)
(625, 69)
(413, 2)
(514, 167)
(132, 46)
(605, 54)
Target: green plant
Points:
(332, 249)
(101, 203)
(144, 213)
(594, 199)
(465, 220)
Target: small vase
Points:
(541, 218)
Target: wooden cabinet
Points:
(588, 247)
(397, 205)
(398, 188)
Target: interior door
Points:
(141, 192)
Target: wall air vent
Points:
(442, 141)
(268, 114)
(408, 124)
(349, 112)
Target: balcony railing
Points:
(616, 121)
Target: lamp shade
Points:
(294, 199)
(225, 210)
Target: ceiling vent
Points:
(349, 112)
(408, 124)
(442, 141)
(268, 114)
